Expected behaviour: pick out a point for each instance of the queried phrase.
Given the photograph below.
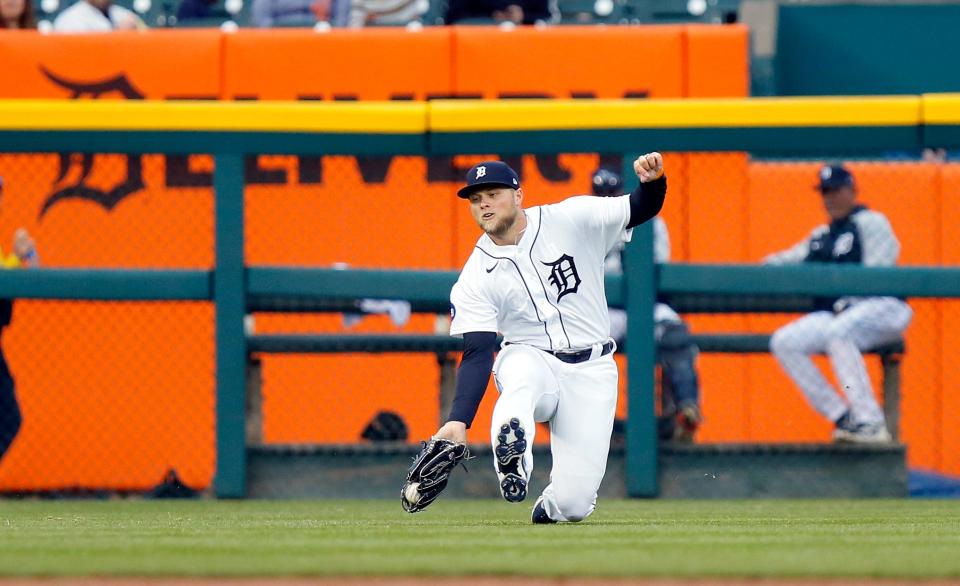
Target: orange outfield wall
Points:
(126, 391)
(163, 64)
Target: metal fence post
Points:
(230, 299)
(639, 281)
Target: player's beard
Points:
(503, 225)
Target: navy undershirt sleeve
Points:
(473, 375)
(647, 200)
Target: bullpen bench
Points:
(890, 358)
(890, 355)
(792, 470)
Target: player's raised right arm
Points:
(647, 199)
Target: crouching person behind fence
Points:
(843, 328)
(24, 254)
(680, 415)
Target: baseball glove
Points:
(429, 473)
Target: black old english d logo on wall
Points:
(563, 275)
(107, 199)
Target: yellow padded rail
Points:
(197, 116)
(477, 115)
(941, 108)
(526, 115)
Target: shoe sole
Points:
(846, 437)
(509, 453)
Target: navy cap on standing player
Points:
(489, 174)
(606, 183)
(834, 177)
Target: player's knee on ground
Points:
(575, 505)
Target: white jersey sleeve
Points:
(795, 254)
(661, 241)
(880, 246)
(470, 310)
(604, 216)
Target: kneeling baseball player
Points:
(537, 276)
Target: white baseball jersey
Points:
(613, 265)
(83, 17)
(547, 291)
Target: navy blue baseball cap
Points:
(833, 177)
(489, 174)
(606, 183)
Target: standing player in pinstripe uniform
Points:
(843, 327)
(537, 277)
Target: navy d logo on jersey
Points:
(563, 275)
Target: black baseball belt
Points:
(577, 356)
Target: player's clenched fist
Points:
(649, 167)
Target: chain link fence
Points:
(110, 395)
(114, 394)
(721, 208)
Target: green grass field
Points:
(895, 538)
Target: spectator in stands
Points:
(336, 13)
(676, 353)
(386, 12)
(195, 9)
(515, 11)
(934, 155)
(92, 16)
(17, 14)
(846, 326)
(24, 255)
(272, 13)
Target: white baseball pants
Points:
(579, 401)
(865, 325)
